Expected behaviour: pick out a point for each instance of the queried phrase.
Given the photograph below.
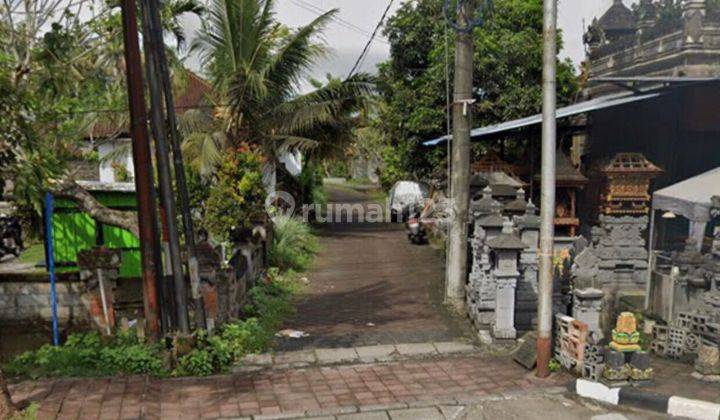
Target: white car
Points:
(404, 196)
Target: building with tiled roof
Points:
(110, 137)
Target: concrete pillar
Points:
(587, 306)
(504, 327)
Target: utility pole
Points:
(178, 164)
(143, 167)
(547, 188)
(460, 176)
(164, 178)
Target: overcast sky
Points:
(358, 18)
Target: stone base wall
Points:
(28, 303)
(619, 245)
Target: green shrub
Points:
(311, 185)
(199, 362)
(293, 246)
(393, 169)
(269, 304)
(29, 413)
(554, 365)
(238, 197)
(89, 355)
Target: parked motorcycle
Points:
(417, 233)
(10, 236)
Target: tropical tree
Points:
(62, 71)
(257, 67)
(507, 75)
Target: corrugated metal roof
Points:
(674, 80)
(568, 111)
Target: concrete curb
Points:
(671, 405)
(352, 355)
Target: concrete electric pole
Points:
(547, 189)
(460, 176)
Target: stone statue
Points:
(595, 36)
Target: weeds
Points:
(268, 307)
(293, 246)
(29, 413)
(554, 365)
(90, 354)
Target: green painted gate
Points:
(75, 231)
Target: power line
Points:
(372, 37)
(340, 21)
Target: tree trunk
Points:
(120, 218)
(7, 408)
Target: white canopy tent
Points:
(690, 199)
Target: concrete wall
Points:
(28, 303)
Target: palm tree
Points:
(257, 65)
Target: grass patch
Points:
(34, 254)
(29, 413)
(89, 354)
(293, 246)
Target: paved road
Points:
(369, 285)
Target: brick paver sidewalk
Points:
(315, 390)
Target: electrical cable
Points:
(340, 21)
(367, 45)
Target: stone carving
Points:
(693, 15)
(587, 306)
(708, 361)
(485, 205)
(619, 246)
(595, 36)
(501, 293)
(518, 206)
(506, 247)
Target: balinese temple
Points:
(492, 162)
(628, 185)
(568, 182)
(617, 22)
(502, 178)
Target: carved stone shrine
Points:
(506, 248)
(627, 190)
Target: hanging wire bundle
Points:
(482, 9)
